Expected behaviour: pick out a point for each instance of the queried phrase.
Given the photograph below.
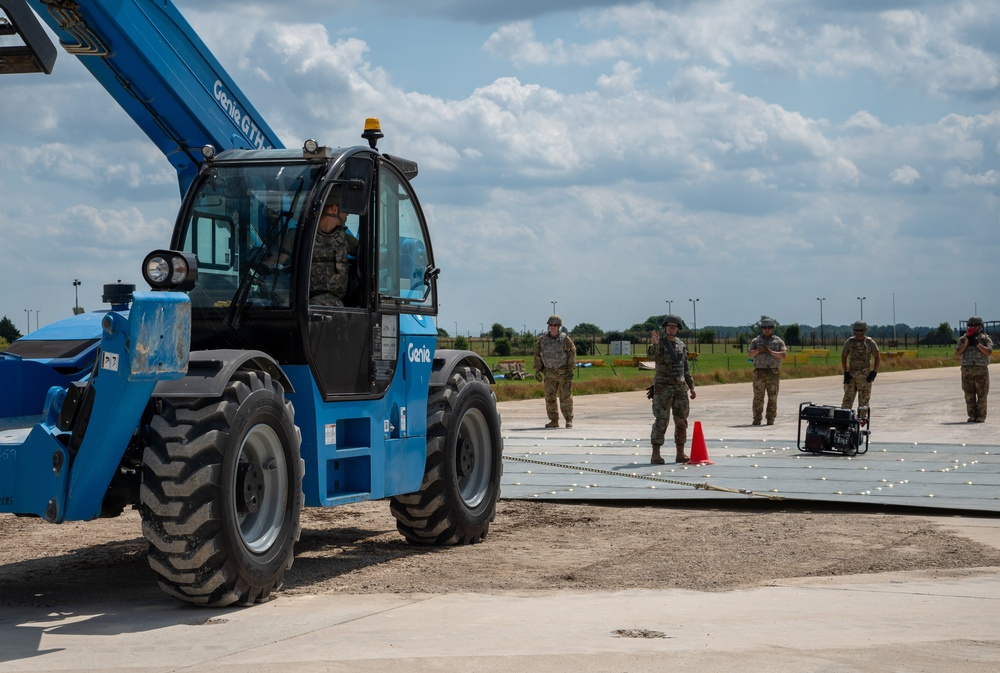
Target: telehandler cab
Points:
(225, 400)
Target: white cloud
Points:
(103, 168)
(843, 173)
(904, 175)
(956, 179)
(927, 45)
(624, 79)
(927, 48)
(516, 42)
(652, 148)
(863, 121)
(123, 228)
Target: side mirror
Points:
(357, 182)
(430, 275)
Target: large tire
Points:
(457, 501)
(222, 493)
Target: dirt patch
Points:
(532, 546)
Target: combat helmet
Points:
(975, 321)
(766, 322)
(860, 326)
(554, 319)
(670, 317)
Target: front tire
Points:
(457, 500)
(222, 493)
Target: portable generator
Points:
(833, 429)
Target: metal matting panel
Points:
(959, 477)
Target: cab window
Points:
(404, 253)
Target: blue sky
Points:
(751, 154)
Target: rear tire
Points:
(222, 493)
(457, 500)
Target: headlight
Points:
(180, 270)
(156, 271)
(170, 270)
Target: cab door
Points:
(340, 338)
(403, 257)
(355, 348)
(406, 281)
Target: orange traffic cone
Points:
(699, 452)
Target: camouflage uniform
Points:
(556, 357)
(976, 376)
(670, 391)
(766, 377)
(859, 355)
(330, 267)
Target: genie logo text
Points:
(250, 130)
(418, 353)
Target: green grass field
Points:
(726, 364)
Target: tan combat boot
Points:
(681, 456)
(656, 458)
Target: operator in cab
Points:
(333, 253)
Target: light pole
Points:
(37, 311)
(28, 311)
(670, 305)
(456, 328)
(76, 301)
(554, 307)
(862, 300)
(481, 330)
(894, 318)
(820, 300)
(694, 308)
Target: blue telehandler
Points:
(228, 397)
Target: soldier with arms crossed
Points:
(767, 351)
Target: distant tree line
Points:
(507, 340)
(8, 333)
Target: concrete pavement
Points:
(921, 405)
(927, 621)
(906, 623)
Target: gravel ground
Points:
(532, 546)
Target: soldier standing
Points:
(855, 360)
(555, 358)
(672, 385)
(767, 351)
(974, 349)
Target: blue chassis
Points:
(353, 450)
